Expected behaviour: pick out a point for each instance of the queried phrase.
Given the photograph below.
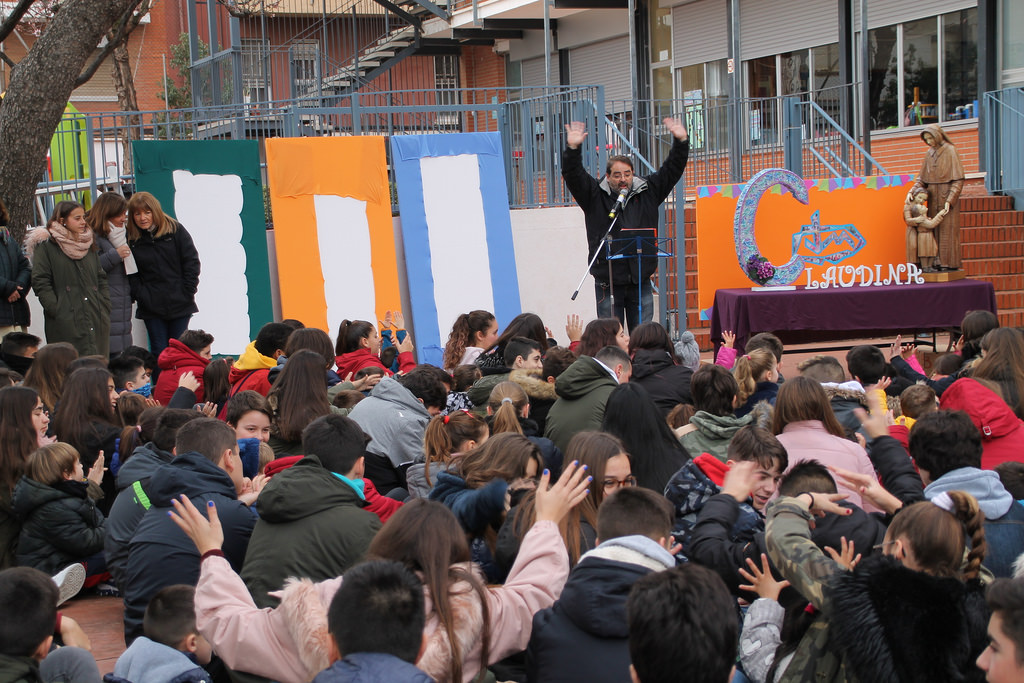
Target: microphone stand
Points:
(603, 244)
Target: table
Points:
(810, 315)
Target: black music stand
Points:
(637, 244)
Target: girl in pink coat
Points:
(471, 628)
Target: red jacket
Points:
(1002, 432)
(175, 361)
(354, 361)
(242, 380)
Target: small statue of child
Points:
(921, 245)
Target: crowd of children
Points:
(608, 510)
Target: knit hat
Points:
(688, 351)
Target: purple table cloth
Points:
(802, 315)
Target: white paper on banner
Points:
(459, 259)
(210, 207)
(343, 231)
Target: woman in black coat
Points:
(168, 278)
(15, 277)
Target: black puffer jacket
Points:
(168, 278)
(667, 383)
(639, 211)
(15, 272)
(59, 525)
(120, 296)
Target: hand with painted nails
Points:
(554, 501)
(207, 534)
(845, 559)
(820, 503)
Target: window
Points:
(920, 72)
(828, 92)
(883, 77)
(960, 57)
(254, 71)
(705, 95)
(304, 64)
(796, 71)
(446, 82)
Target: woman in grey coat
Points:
(107, 218)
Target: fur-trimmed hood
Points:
(304, 613)
(892, 624)
(33, 238)
(533, 384)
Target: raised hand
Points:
(405, 344)
(96, 471)
(399, 320)
(728, 339)
(846, 558)
(553, 504)
(573, 327)
(676, 127)
(740, 479)
(820, 503)
(760, 580)
(869, 488)
(189, 381)
(574, 134)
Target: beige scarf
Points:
(75, 246)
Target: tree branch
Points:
(129, 20)
(13, 18)
(7, 60)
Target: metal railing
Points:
(1003, 140)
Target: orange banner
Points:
(332, 193)
(847, 222)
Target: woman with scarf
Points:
(107, 220)
(69, 281)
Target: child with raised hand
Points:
(359, 346)
(172, 649)
(60, 522)
(468, 627)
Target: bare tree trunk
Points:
(38, 92)
(124, 83)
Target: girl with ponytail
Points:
(508, 410)
(447, 438)
(757, 373)
(471, 334)
(358, 347)
(913, 611)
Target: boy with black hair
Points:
(682, 627)
(313, 517)
(252, 369)
(376, 624)
(589, 619)
(18, 350)
(703, 478)
(866, 364)
(28, 603)
(145, 355)
(172, 648)
(130, 375)
(521, 353)
(1003, 659)
(946, 446)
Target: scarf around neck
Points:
(74, 246)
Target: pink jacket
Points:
(726, 357)
(290, 643)
(808, 440)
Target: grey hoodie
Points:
(146, 660)
(394, 419)
(985, 485)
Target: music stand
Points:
(638, 244)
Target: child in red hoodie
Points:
(188, 353)
(358, 347)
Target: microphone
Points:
(619, 202)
